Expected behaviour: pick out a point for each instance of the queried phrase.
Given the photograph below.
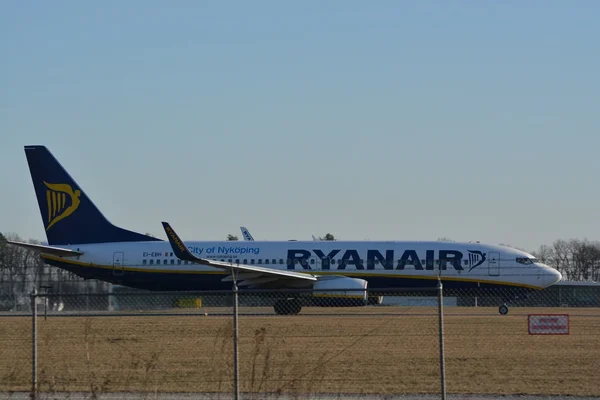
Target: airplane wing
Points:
(246, 234)
(57, 251)
(246, 275)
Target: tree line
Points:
(22, 270)
(576, 259)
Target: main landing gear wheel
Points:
(287, 307)
(374, 300)
(503, 309)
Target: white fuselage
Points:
(382, 264)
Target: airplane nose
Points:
(552, 276)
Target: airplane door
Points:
(118, 263)
(316, 265)
(494, 264)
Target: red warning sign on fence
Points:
(549, 324)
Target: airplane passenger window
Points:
(267, 261)
(259, 261)
(171, 255)
(466, 262)
(166, 262)
(237, 261)
(312, 260)
(252, 261)
(230, 261)
(281, 261)
(178, 262)
(151, 262)
(333, 261)
(143, 262)
(245, 261)
(274, 261)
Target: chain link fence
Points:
(302, 343)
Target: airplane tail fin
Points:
(69, 216)
(246, 234)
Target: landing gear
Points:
(375, 300)
(503, 309)
(287, 307)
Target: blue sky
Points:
(381, 120)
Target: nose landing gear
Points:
(503, 309)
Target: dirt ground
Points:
(321, 352)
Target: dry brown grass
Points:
(327, 354)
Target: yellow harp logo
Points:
(56, 198)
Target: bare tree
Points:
(20, 269)
(576, 259)
(586, 256)
(545, 254)
(562, 258)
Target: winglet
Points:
(183, 253)
(179, 248)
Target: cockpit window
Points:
(526, 261)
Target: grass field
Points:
(485, 352)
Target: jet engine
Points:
(339, 291)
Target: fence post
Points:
(441, 338)
(236, 372)
(34, 344)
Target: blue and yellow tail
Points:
(69, 216)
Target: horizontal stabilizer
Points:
(57, 251)
(183, 253)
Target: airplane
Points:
(81, 240)
(248, 237)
